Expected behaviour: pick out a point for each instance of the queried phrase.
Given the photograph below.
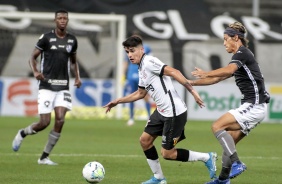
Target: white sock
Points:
(197, 156)
(156, 168)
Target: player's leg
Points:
(174, 133)
(62, 104)
(45, 106)
(152, 130)
(226, 161)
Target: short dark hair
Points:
(132, 41)
(61, 11)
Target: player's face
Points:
(229, 43)
(134, 54)
(61, 20)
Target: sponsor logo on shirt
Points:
(61, 46)
(70, 41)
(53, 39)
(57, 82)
(53, 47)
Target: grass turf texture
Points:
(116, 146)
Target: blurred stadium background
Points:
(183, 34)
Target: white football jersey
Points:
(160, 87)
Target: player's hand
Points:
(199, 73)
(198, 99)
(39, 76)
(77, 83)
(110, 105)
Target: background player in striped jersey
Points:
(170, 117)
(58, 52)
(234, 125)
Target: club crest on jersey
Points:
(68, 48)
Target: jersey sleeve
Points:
(238, 59)
(156, 66)
(74, 47)
(41, 43)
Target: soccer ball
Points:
(93, 172)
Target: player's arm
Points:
(177, 75)
(214, 76)
(74, 62)
(139, 94)
(33, 64)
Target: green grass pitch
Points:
(116, 146)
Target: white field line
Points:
(118, 156)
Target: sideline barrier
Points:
(18, 97)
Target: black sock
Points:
(151, 153)
(23, 134)
(234, 158)
(44, 155)
(224, 174)
(182, 155)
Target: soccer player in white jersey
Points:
(234, 125)
(58, 51)
(170, 116)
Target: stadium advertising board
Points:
(222, 97)
(19, 98)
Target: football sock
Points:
(23, 134)
(224, 174)
(44, 155)
(182, 155)
(28, 130)
(154, 163)
(53, 138)
(226, 167)
(234, 157)
(226, 161)
(226, 141)
(151, 153)
(197, 156)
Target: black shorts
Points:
(170, 128)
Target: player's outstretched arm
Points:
(139, 94)
(177, 75)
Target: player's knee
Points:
(215, 127)
(144, 142)
(60, 121)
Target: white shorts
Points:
(249, 115)
(48, 100)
